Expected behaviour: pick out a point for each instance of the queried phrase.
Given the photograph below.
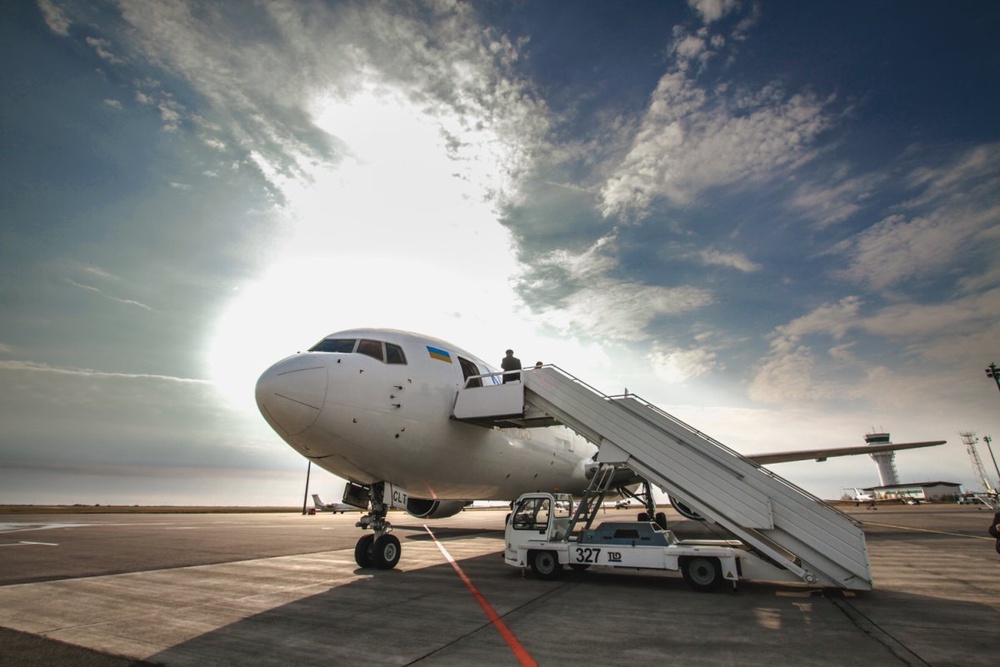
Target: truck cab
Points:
(538, 519)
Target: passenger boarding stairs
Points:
(797, 531)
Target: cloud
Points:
(692, 139)
(578, 293)
(952, 217)
(102, 48)
(713, 10)
(32, 367)
(678, 366)
(127, 302)
(888, 356)
(834, 320)
(268, 89)
(792, 371)
(733, 260)
(827, 203)
(54, 17)
(972, 175)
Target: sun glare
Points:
(398, 232)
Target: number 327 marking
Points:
(587, 554)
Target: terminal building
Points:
(918, 491)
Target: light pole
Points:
(305, 496)
(993, 373)
(989, 447)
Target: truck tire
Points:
(545, 565)
(701, 573)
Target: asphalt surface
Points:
(206, 589)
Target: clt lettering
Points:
(614, 556)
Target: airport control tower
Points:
(886, 461)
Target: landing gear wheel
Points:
(702, 574)
(998, 546)
(363, 551)
(546, 565)
(386, 552)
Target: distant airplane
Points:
(861, 496)
(375, 407)
(332, 507)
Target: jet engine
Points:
(424, 508)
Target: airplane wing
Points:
(824, 454)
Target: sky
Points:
(776, 220)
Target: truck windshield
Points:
(532, 514)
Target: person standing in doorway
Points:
(511, 363)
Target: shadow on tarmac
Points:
(402, 617)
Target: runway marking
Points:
(520, 652)
(22, 527)
(926, 530)
(22, 543)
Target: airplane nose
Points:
(290, 394)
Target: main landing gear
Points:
(381, 550)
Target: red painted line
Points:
(520, 652)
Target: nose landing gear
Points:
(380, 550)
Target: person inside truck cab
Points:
(532, 514)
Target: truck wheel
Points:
(702, 574)
(386, 552)
(545, 565)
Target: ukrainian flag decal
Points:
(440, 355)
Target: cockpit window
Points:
(373, 348)
(385, 352)
(394, 354)
(344, 345)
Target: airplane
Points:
(860, 496)
(332, 507)
(374, 407)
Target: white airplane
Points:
(320, 506)
(860, 496)
(374, 407)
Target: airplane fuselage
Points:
(373, 405)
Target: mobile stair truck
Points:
(779, 531)
(538, 537)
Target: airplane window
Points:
(334, 345)
(373, 348)
(394, 354)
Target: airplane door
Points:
(469, 369)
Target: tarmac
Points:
(283, 589)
